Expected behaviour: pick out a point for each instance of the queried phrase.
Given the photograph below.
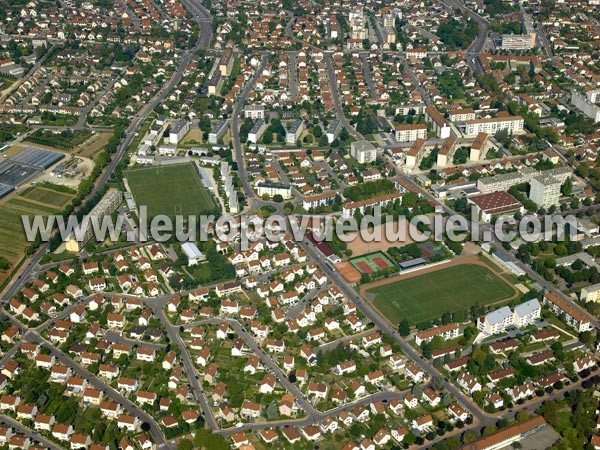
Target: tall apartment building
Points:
(563, 308)
(500, 319)
(446, 151)
(257, 131)
(587, 103)
(178, 130)
(351, 207)
(513, 124)
(410, 133)
(106, 206)
(590, 293)
(478, 147)
(294, 132)
(226, 62)
(334, 130)
(461, 114)
(545, 191)
(438, 122)
(363, 151)
(217, 130)
(505, 181)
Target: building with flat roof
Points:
(590, 293)
(512, 124)
(217, 130)
(76, 241)
(504, 181)
(334, 130)
(409, 133)
(272, 189)
(363, 151)
(254, 112)
(587, 103)
(294, 132)
(495, 204)
(545, 191)
(257, 131)
(178, 130)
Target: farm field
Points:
(448, 289)
(34, 201)
(170, 190)
(93, 146)
(46, 196)
(65, 140)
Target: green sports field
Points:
(170, 190)
(428, 296)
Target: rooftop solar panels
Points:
(37, 157)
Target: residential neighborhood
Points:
(233, 304)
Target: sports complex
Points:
(427, 294)
(371, 263)
(171, 190)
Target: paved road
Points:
(99, 384)
(33, 435)
(339, 109)
(364, 57)
(235, 129)
(202, 16)
(386, 328)
(190, 371)
(293, 75)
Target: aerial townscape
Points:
(487, 111)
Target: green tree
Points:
(404, 328)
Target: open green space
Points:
(171, 190)
(428, 296)
(64, 140)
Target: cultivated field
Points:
(426, 296)
(49, 197)
(170, 190)
(93, 146)
(34, 201)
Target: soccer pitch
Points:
(170, 190)
(428, 296)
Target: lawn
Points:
(428, 296)
(171, 190)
